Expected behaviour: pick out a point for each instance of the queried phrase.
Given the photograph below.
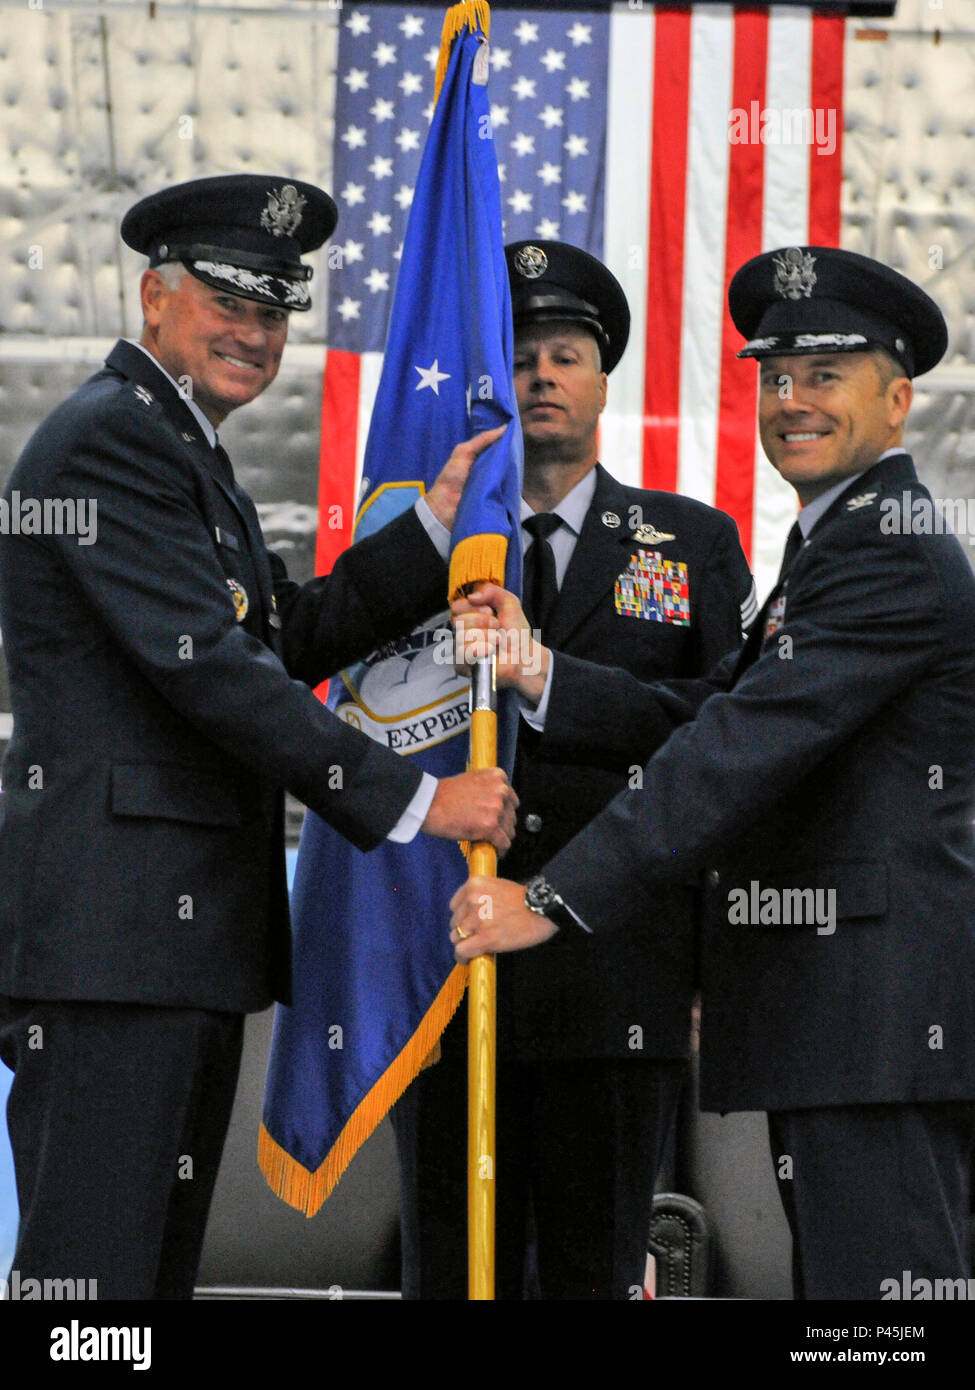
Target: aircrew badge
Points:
(531, 261)
(282, 214)
(239, 595)
(654, 589)
(794, 274)
(649, 535)
(863, 500)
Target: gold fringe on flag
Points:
(477, 560)
(470, 14)
(306, 1190)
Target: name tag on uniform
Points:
(775, 617)
(226, 538)
(655, 589)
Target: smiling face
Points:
(561, 392)
(229, 348)
(827, 417)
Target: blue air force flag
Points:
(374, 976)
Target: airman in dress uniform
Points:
(161, 683)
(592, 1041)
(823, 780)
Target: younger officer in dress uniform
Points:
(827, 788)
(592, 1041)
(160, 680)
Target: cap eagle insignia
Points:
(282, 214)
(794, 274)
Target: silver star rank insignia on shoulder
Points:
(863, 500)
(649, 535)
(144, 395)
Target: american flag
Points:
(672, 144)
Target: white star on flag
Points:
(431, 376)
(382, 109)
(384, 53)
(574, 202)
(547, 229)
(381, 167)
(550, 173)
(552, 60)
(377, 280)
(520, 201)
(354, 137)
(499, 115)
(523, 144)
(353, 193)
(349, 308)
(527, 32)
(408, 140)
(576, 145)
(524, 87)
(550, 116)
(358, 22)
(352, 252)
(355, 79)
(411, 26)
(577, 88)
(410, 83)
(579, 33)
(403, 196)
(380, 223)
(500, 58)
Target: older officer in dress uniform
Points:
(827, 789)
(591, 1041)
(160, 682)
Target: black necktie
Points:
(793, 545)
(541, 588)
(222, 465)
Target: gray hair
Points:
(172, 273)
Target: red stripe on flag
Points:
(665, 272)
(336, 465)
(826, 95)
(735, 473)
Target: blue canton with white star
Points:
(548, 110)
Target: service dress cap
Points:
(554, 282)
(239, 232)
(804, 299)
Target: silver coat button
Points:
(714, 878)
(533, 822)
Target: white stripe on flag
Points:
(627, 204)
(785, 223)
(370, 370)
(785, 208)
(712, 47)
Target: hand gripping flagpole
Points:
(481, 1020)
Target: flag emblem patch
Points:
(654, 589)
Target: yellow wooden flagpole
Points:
(481, 1021)
(475, 561)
